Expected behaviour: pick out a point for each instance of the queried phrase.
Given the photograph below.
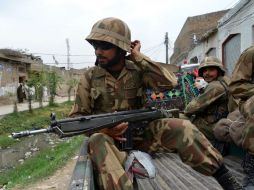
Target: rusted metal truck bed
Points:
(172, 173)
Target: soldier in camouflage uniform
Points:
(212, 104)
(116, 83)
(242, 87)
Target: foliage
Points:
(41, 165)
(6, 141)
(38, 80)
(53, 82)
(45, 162)
(72, 83)
(39, 118)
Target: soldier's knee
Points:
(182, 126)
(188, 123)
(97, 143)
(96, 138)
(178, 124)
(175, 125)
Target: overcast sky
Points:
(42, 26)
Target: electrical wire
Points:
(52, 54)
(148, 51)
(153, 47)
(236, 23)
(239, 21)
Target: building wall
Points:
(9, 76)
(197, 25)
(241, 23)
(198, 52)
(65, 76)
(211, 42)
(203, 47)
(15, 68)
(12, 71)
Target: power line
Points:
(232, 4)
(71, 63)
(51, 54)
(237, 22)
(152, 48)
(155, 51)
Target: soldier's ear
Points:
(120, 51)
(220, 73)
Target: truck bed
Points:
(172, 173)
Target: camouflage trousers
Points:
(168, 135)
(247, 109)
(204, 127)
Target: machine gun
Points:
(92, 123)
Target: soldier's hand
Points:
(135, 45)
(135, 48)
(236, 131)
(221, 130)
(117, 131)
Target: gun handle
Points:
(128, 144)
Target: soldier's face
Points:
(210, 74)
(106, 54)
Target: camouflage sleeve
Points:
(241, 84)
(155, 76)
(213, 92)
(82, 105)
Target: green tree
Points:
(53, 82)
(71, 85)
(38, 80)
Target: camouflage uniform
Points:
(242, 87)
(230, 129)
(98, 91)
(212, 104)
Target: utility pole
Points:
(166, 43)
(68, 54)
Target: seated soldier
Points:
(115, 84)
(242, 87)
(212, 105)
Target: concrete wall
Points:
(204, 46)
(197, 25)
(9, 78)
(11, 71)
(240, 21)
(243, 23)
(8, 74)
(198, 52)
(15, 68)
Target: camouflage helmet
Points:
(210, 62)
(112, 30)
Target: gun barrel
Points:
(27, 133)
